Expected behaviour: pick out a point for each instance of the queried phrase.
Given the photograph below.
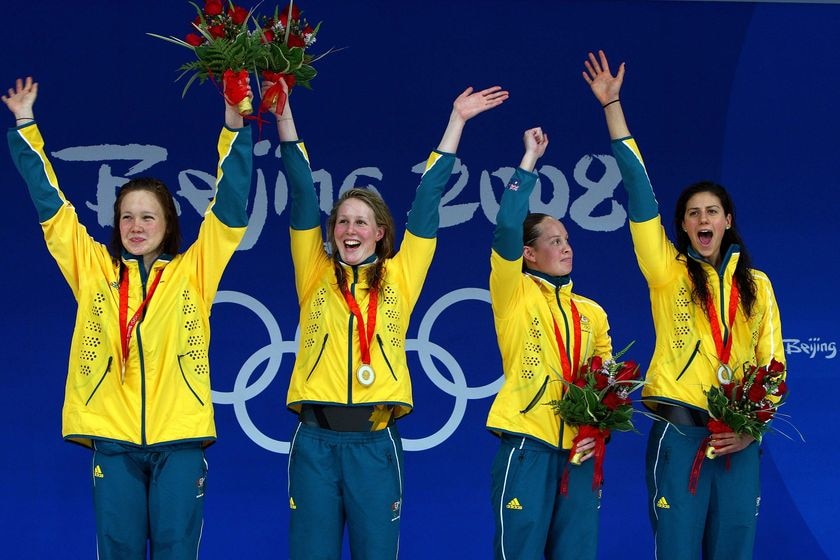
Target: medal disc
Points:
(365, 375)
(724, 374)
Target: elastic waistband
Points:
(348, 438)
(345, 418)
(682, 415)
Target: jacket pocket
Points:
(318, 359)
(101, 379)
(690, 359)
(536, 398)
(187, 381)
(385, 355)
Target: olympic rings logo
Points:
(245, 388)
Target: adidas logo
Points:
(292, 503)
(514, 504)
(663, 503)
(97, 472)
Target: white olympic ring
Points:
(272, 353)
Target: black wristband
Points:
(605, 105)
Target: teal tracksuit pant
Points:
(719, 520)
(338, 478)
(151, 495)
(533, 520)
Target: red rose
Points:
(596, 363)
(601, 381)
(760, 374)
(613, 401)
(629, 370)
(579, 382)
(268, 37)
(776, 366)
(757, 393)
(213, 7)
(284, 15)
(296, 41)
(194, 40)
(781, 389)
(238, 15)
(307, 30)
(764, 414)
(197, 20)
(217, 31)
(733, 391)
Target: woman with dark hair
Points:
(545, 333)
(350, 381)
(713, 315)
(138, 382)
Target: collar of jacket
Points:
(353, 270)
(137, 260)
(556, 281)
(731, 253)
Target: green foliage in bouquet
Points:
(599, 394)
(285, 38)
(222, 42)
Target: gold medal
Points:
(365, 375)
(724, 374)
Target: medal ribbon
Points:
(365, 335)
(127, 326)
(723, 348)
(568, 370)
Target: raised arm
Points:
(232, 117)
(466, 106)
(21, 100)
(275, 97)
(606, 89)
(536, 141)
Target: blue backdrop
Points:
(742, 93)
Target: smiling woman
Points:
(351, 382)
(142, 403)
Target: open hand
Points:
(21, 99)
(604, 85)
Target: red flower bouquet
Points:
(597, 401)
(223, 48)
(747, 405)
(744, 406)
(285, 38)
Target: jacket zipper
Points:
(384, 355)
(320, 353)
(536, 398)
(184, 376)
(690, 359)
(101, 379)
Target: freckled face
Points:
(142, 224)
(551, 253)
(705, 223)
(356, 232)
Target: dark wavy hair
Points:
(743, 270)
(172, 238)
(384, 247)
